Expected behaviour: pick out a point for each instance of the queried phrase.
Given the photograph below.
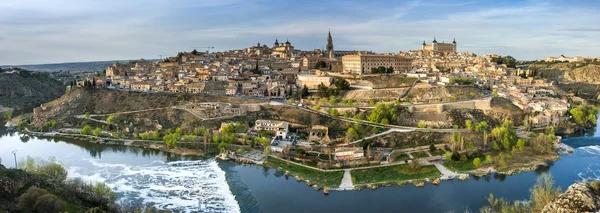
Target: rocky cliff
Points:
(580, 197)
(24, 89)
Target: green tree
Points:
(97, 131)
(351, 134)
(381, 69)
(543, 192)
(49, 203)
(7, 114)
(476, 162)
(584, 114)
(320, 64)
(171, 140)
(87, 115)
(448, 156)
(156, 135)
(521, 144)
(86, 130)
(223, 147)
(483, 127)
(304, 92)
(334, 112)
(422, 124)
(342, 84)
(27, 199)
(144, 135)
(54, 124)
(389, 70)
(110, 119)
(332, 100)
(469, 124)
(488, 159)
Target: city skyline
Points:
(41, 31)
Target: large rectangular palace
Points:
(440, 47)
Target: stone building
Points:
(282, 50)
(440, 47)
(362, 64)
(312, 81)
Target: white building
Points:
(279, 127)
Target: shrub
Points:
(476, 162)
(488, 159)
(463, 158)
(97, 131)
(432, 148)
(27, 200)
(49, 204)
(448, 155)
(86, 130)
(53, 171)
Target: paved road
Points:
(446, 173)
(346, 181)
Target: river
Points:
(167, 181)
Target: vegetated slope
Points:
(105, 101)
(502, 109)
(570, 72)
(377, 94)
(24, 89)
(425, 93)
(384, 81)
(582, 79)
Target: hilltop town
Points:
(338, 119)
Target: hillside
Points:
(426, 93)
(24, 89)
(105, 101)
(569, 72)
(582, 79)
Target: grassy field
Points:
(321, 179)
(401, 157)
(460, 166)
(420, 155)
(393, 174)
(438, 152)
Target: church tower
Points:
(454, 44)
(329, 46)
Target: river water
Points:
(168, 181)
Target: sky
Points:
(52, 31)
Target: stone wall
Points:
(482, 104)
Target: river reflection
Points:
(150, 177)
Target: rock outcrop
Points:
(580, 197)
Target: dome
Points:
(287, 42)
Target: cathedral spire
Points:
(434, 41)
(329, 46)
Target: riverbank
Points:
(144, 144)
(400, 173)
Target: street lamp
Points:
(14, 152)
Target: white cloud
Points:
(40, 31)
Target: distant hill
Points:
(24, 89)
(74, 66)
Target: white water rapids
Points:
(592, 172)
(176, 186)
